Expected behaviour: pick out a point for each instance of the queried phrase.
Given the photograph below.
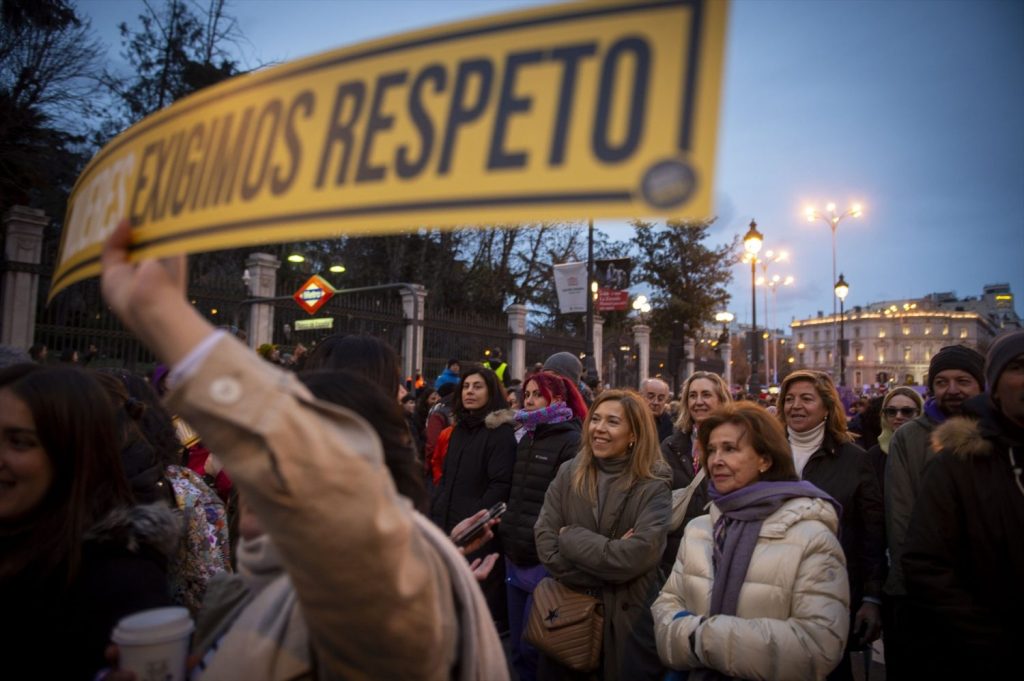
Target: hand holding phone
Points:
(464, 536)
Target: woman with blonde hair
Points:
(901, 404)
(759, 590)
(703, 392)
(605, 516)
(825, 455)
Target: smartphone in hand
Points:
(477, 528)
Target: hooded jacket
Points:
(964, 553)
(61, 631)
(477, 468)
(793, 613)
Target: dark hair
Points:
(451, 362)
(765, 434)
(496, 396)
(155, 423)
(357, 392)
(423, 407)
(74, 421)
(363, 354)
(446, 389)
(36, 351)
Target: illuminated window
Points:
(927, 330)
(881, 358)
(830, 357)
(906, 330)
(963, 332)
(906, 353)
(945, 329)
(881, 333)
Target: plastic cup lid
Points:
(153, 626)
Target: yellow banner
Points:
(600, 109)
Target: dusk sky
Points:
(913, 108)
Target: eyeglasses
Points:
(902, 411)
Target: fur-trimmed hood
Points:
(154, 525)
(500, 418)
(962, 436)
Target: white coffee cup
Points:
(154, 643)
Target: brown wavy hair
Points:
(835, 423)
(766, 435)
(646, 462)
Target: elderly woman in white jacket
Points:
(759, 587)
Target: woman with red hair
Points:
(551, 418)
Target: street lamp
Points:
(832, 219)
(842, 289)
(752, 242)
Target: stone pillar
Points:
(262, 269)
(690, 348)
(517, 326)
(598, 343)
(642, 338)
(23, 228)
(413, 302)
(727, 360)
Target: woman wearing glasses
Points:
(899, 405)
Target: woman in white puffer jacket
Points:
(759, 587)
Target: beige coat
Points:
(377, 591)
(590, 553)
(792, 618)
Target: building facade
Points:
(894, 340)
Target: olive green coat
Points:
(589, 554)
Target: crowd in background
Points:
(303, 510)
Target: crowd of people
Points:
(311, 512)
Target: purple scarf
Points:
(559, 412)
(736, 531)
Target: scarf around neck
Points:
(931, 408)
(736, 531)
(558, 412)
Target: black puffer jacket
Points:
(678, 452)
(477, 469)
(537, 460)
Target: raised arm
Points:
(372, 591)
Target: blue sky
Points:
(914, 108)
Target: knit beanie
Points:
(1001, 352)
(566, 364)
(957, 357)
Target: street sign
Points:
(600, 109)
(310, 324)
(609, 300)
(312, 295)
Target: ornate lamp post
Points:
(725, 318)
(842, 289)
(752, 242)
(832, 219)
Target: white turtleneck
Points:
(805, 444)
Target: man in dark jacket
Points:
(656, 392)
(955, 374)
(964, 555)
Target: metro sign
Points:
(312, 295)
